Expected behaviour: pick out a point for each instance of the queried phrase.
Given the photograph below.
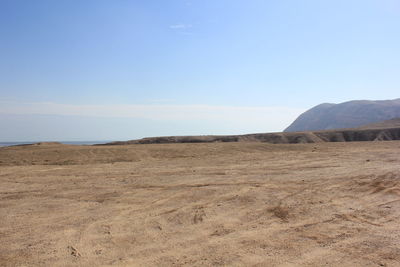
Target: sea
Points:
(62, 142)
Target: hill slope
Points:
(345, 115)
(383, 124)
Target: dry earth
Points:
(210, 204)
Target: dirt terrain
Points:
(208, 204)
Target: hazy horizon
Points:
(120, 70)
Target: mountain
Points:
(393, 123)
(346, 115)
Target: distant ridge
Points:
(386, 131)
(345, 115)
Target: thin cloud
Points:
(268, 118)
(180, 26)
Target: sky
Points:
(118, 70)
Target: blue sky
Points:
(182, 67)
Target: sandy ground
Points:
(229, 204)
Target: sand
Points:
(209, 204)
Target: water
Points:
(63, 142)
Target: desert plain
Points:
(205, 204)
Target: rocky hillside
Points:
(346, 115)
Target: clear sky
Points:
(114, 70)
